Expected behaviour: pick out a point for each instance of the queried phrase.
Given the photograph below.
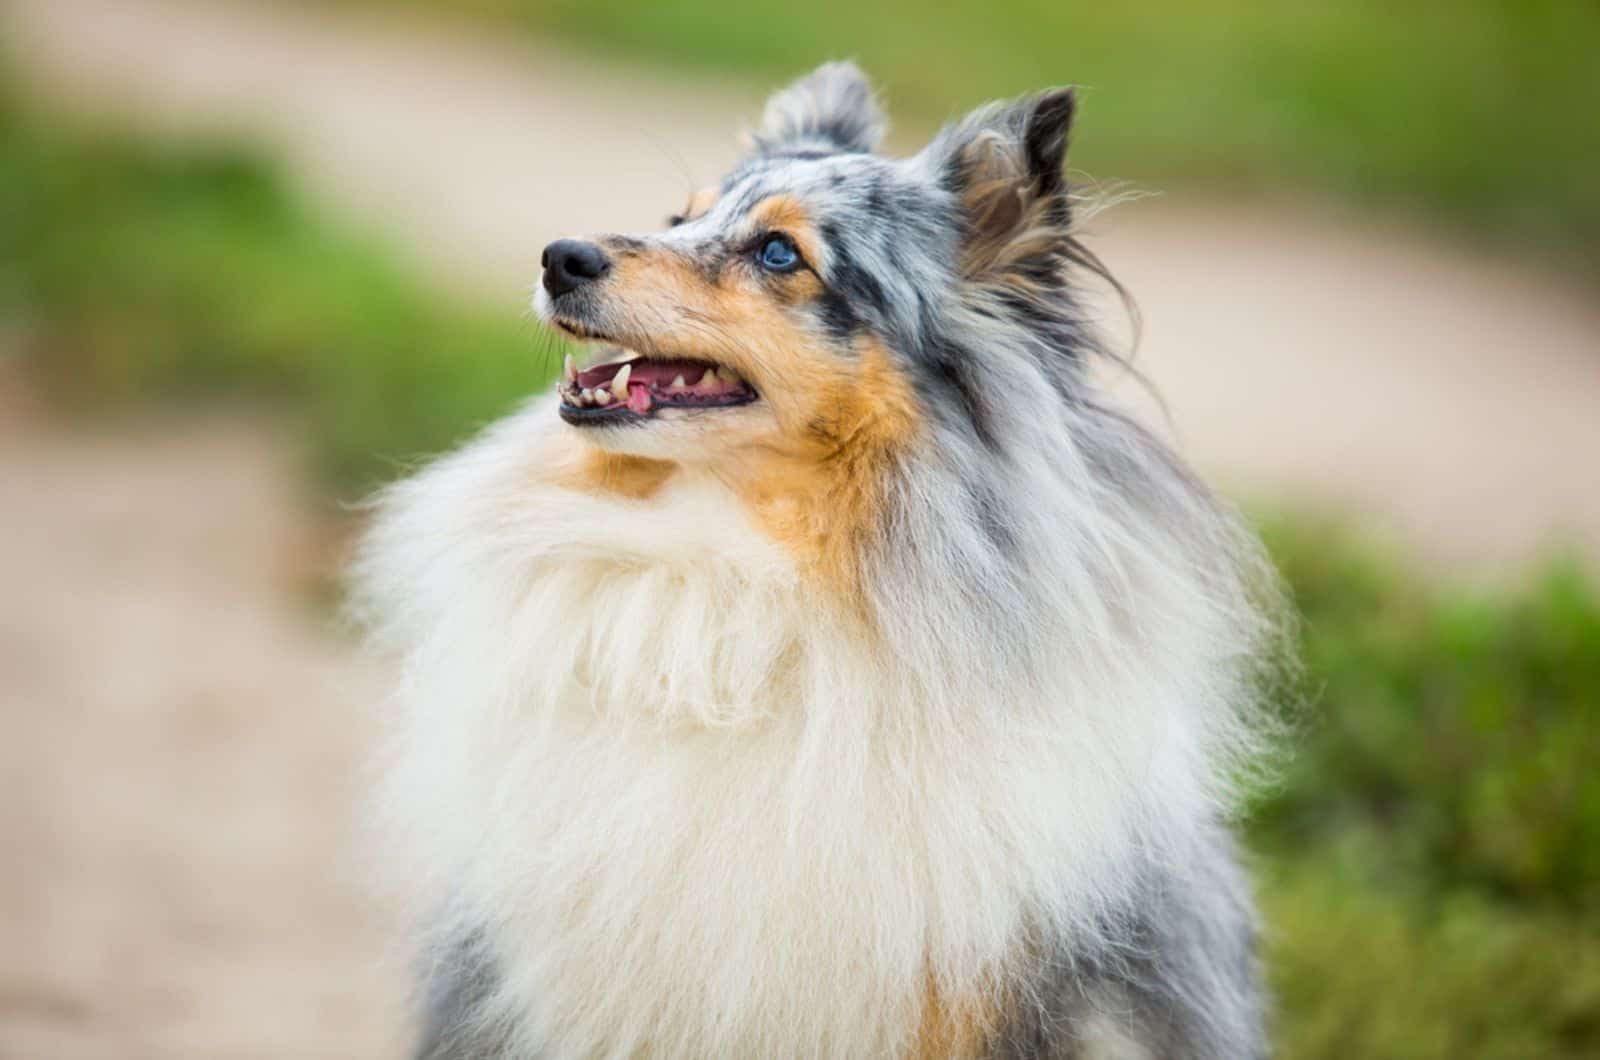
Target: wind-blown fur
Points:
(830, 110)
(656, 792)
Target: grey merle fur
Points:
(1174, 965)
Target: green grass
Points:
(1431, 859)
(1362, 970)
(130, 273)
(1478, 112)
(1489, 703)
(1430, 862)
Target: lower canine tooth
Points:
(709, 377)
(678, 383)
(619, 382)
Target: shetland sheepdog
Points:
(824, 667)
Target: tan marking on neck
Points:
(822, 495)
(954, 1027)
(597, 471)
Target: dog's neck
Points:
(612, 692)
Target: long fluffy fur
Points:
(689, 804)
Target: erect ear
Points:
(830, 110)
(1004, 165)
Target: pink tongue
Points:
(639, 398)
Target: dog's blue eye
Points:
(778, 254)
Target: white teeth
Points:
(678, 383)
(619, 383)
(571, 372)
(602, 397)
(710, 378)
(585, 396)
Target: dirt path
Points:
(1450, 398)
(182, 736)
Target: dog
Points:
(826, 667)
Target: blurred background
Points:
(256, 258)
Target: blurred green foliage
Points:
(128, 272)
(1365, 970)
(1430, 865)
(1477, 111)
(1430, 860)
(1487, 702)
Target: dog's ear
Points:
(831, 110)
(1004, 165)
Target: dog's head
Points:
(822, 295)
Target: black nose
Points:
(569, 263)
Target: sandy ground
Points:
(179, 758)
(181, 732)
(1450, 399)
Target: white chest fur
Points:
(692, 808)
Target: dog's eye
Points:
(778, 254)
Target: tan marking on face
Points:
(814, 481)
(796, 288)
(700, 202)
(786, 214)
(655, 291)
(659, 303)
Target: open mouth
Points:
(634, 387)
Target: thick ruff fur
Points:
(726, 734)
